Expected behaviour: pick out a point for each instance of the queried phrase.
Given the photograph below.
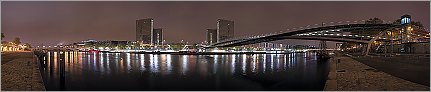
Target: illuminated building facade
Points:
(157, 36)
(144, 30)
(211, 36)
(225, 29)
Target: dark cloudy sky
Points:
(67, 22)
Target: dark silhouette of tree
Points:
(369, 32)
(16, 40)
(374, 21)
(2, 36)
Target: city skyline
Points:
(188, 21)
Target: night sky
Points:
(52, 23)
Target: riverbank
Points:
(20, 72)
(411, 67)
(352, 75)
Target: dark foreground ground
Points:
(9, 56)
(411, 67)
(19, 72)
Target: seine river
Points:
(129, 71)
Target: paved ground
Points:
(351, 75)
(411, 67)
(9, 56)
(19, 72)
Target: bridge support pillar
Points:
(368, 49)
(371, 41)
(323, 47)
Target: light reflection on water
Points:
(130, 71)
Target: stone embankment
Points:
(351, 75)
(20, 72)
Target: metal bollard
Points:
(336, 64)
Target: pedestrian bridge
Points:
(338, 33)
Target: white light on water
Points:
(218, 51)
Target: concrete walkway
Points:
(21, 73)
(414, 68)
(351, 75)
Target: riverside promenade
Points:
(351, 75)
(20, 72)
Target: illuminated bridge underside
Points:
(294, 35)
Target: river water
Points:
(128, 71)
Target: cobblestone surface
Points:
(352, 75)
(21, 73)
